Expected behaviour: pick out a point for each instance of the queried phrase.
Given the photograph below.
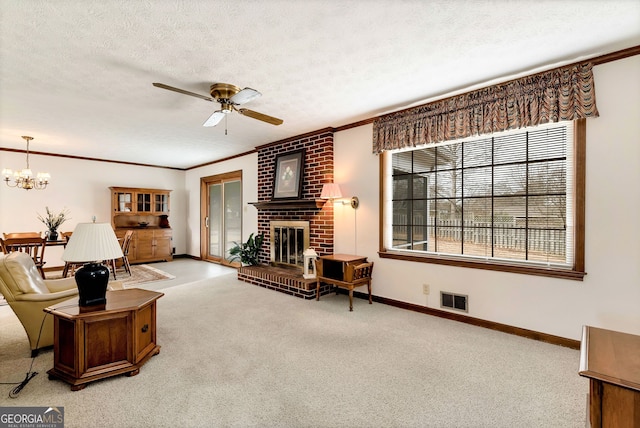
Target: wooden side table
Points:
(611, 361)
(344, 270)
(96, 342)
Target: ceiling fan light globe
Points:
(226, 108)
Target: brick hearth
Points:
(285, 280)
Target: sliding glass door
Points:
(221, 215)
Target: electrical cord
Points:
(16, 391)
(355, 231)
(30, 374)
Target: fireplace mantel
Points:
(289, 204)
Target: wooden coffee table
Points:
(96, 342)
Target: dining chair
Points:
(126, 243)
(33, 246)
(22, 235)
(69, 266)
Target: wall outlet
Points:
(425, 288)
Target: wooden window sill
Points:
(553, 272)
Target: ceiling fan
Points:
(229, 96)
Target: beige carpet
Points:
(238, 355)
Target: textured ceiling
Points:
(77, 75)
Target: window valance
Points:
(565, 93)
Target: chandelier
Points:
(24, 179)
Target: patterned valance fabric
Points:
(565, 93)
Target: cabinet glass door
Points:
(144, 202)
(124, 200)
(161, 203)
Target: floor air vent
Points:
(454, 301)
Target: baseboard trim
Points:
(186, 256)
(504, 328)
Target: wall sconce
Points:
(332, 191)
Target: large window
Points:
(505, 201)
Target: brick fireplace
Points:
(318, 170)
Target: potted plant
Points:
(53, 222)
(248, 251)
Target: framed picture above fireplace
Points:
(289, 171)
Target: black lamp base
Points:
(92, 281)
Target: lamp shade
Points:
(92, 242)
(330, 191)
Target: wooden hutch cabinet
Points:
(143, 210)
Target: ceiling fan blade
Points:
(214, 119)
(244, 96)
(182, 91)
(263, 117)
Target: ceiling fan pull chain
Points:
(225, 124)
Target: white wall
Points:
(249, 167)
(83, 188)
(609, 296)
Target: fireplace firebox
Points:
(289, 239)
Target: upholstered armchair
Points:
(28, 294)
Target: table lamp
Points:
(92, 243)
